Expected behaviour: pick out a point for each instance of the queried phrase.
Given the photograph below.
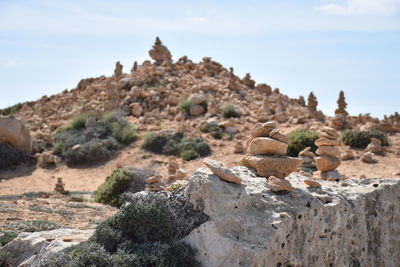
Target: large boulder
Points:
(30, 249)
(266, 166)
(266, 146)
(14, 133)
(351, 225)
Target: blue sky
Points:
(299, 46)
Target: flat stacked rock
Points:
(375, 146)
(328, 154)
(308, 157)
(266, 152)
(154, 183)
(59, 186)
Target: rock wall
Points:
(350, 223)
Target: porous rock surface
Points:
(29, 249)
(339, 224)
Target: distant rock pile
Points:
(160, 53)
(308, 157)
(340, 120)
(328, 154)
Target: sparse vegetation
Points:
(209, 127)
(98, 142)
(230, 111)
(145, 232)
(6, 259)
(120, 181)
(11, 110)
(300, 139)
(10, 156)
(184, 105)
(31, 226)
(177, 145)
(360, 139)
(6, 237)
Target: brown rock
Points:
(196, 110)
(13, 132)
(328, 151)
(331, 175)
(312, 183)
(347, 155)
(266, 166)
(277, 184)
(326, 142)
(153, 179)
(367, 158)
(275, 134)
(222, 172)
(306, 152)
(266, 146)
(326, 163)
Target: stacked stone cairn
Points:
(340, 119)
(59, 187)
(174, 172)
(154, 183)
(266, 152)
(328, 154)
(308, 157)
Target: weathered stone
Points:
(347, 155)
(329, 130)
(154, 179)
(368, 158)
(326, 163)
(278, 184)
(221, 171)
(331, 175)
(251, 226)
(266, 146)
(197, 99)
(14, 133)
(312, 183)
(275, 134)
(196, 110)
(30, 249)
(266, 166)
(375, 146)
(326, 142)
(328, 136)
(136, 109)
(307, 152)
(328, 151)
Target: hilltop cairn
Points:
(312, 107)
(154, 183)
(134, 67)
(328, 154)
(160, 53)
(266, 152)
(118, 69)
(308, 157)
(59, 187)
(340, 119)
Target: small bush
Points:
(98, 142)
(120, 181)
(6, 259)
(185, 105)
(144, 232)
(6, 237)
(176, 144)
(11, 110)
(300, 139)
(209, 127)
(10, 156)
(361, 139)
(230, 111)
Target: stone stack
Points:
(341, 104)
(118, 69)
(308, 157)
(375, 146)
(328, 154)
(340, 120)
(59, 187)
(160, 53)
(312, 104)
(238, 147)
(173, 166)
(266, 152)
(154, 183)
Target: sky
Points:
(299, 46)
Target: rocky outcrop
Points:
(14, 133)
(29, 249)
(351, 224)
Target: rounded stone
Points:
(278, 184)
(326, 163)
(328, 151)
(266, 146)
(326, 142)
(196, 110)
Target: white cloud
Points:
(361, 7)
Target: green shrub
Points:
(209, 127)
(11, 110)
(357, 138)
(185, 105)
(144, 232)
(300, 139)
(10, 156)
(99, 142)
(6, 259)
(230, 111)
(120, 181)
(6, 237)
(177, 145)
